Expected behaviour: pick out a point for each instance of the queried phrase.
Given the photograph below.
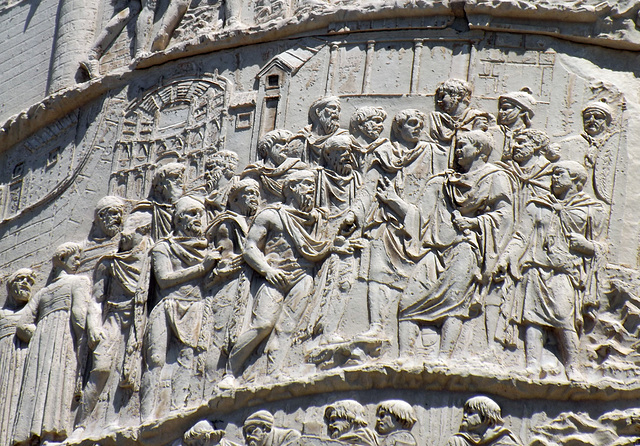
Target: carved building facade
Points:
(324, 222)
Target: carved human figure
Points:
(554, 256)
(103, 237)
(464, 219)
(280, 247)
(166, 188)
(395, 419)
(346, 422)
(259, 430)
(453, 113)
(116, 322)
(596, 147)
(12, 350)
(482, 424)
(54, 321)
(366, 126)
(220, 176)
(278, 157)
(324, 122)
(403, 166)
(515, 111)
(176, 331)
(228, 284)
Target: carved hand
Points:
(96, 335)
(578, 242)
(276, 277)
(210, 260)
(464, 223)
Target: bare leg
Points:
(451, 329)
(169, 23)
(569, 345)
(533, 347)
(144, 27)
(245, 346)
(408, 333)
(491, 315)
(157, 341)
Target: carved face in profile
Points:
(447, 102)
(372, 127)
(136, 227)
(20, 286)
(329, 117)
(594, 121)
(110, 220)
(280, 150)
(508, 112)
(189, 219)
(255, 434)
(386, 422)
(472, 421)
(337, 425)
(411, 130)
(466, 152)
(71, 262)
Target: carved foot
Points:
(228, 382)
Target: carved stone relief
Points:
(376, 238)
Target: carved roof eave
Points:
(290, 61)
(599, 24)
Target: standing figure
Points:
(482, 424)
(176, 339)
(515, 111)
(597, 148)
(395, 421)
(103, 237)
(228, 284)
(57, 351)
(282, 248)
(259, 430)
(166, 189)
(465, 220)
(12, 350)
(278, 156)
(324, 118)
(346, 422)
(453, 97)
(116, 322)
(555, 255)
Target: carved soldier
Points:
(175, 330)
(554, 255)
(12, 350)
(115, 324)
(395, 419)
(515, 111)
(482, 424)
(454, 114)
(259, 430)
(54, 321)
(324, 118)
(103, 237)
(166, 189)
(203, 433)
(346, 422)
(596, 147)
(278, 156)
(366, 126)
(466, 219)
(280, 247)
(229, 282)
